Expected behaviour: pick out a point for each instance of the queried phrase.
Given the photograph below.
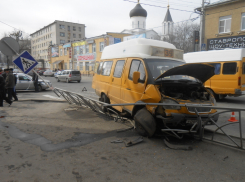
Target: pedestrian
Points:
(10, 83)
(14, 90)
(2, 91)
(35, 81)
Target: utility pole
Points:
(202, 25)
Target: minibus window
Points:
(99, 68)
(118, 69)
(216, 68)
(229, 68)
(106, 69)
(243, 68)
(137, 65)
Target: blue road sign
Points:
(203, 47)
(25, 62)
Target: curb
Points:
(39, 100)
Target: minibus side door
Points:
(131, 93)
(114, 92)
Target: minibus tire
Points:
(105, 99)
(145, 123)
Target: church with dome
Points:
(138, 16)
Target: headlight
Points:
(212, 99)
(170, 101)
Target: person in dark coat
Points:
(10, 83)
(35, 81)
(14, 94)
(2, 91)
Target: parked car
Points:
(24, 82)
(69, 75)
(48, 73)
(40, 72)
(57, 73)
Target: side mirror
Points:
(136, 77)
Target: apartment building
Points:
(56, 33)
(225, 25)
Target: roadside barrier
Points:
(198, 127)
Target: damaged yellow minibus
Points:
(152, 71)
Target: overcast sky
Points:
(99, 16)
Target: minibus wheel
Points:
(105, 99)
(214, 94)
(145, 123)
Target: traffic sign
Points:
(9, 46)
(25, 62)
(203, 47)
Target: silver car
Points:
(69, 76)
(24, 82)
(48, 73)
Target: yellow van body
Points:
(116, 86)
(229, 78)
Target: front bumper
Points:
(178, 118)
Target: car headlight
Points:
(170, 101)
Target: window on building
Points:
(137, 65)
(62, 26)
(62, 41)
(62, 34)
(80, 36)
(81, 66)
(106, 68)
(229, 68)
(118, 69)
(61, 51)
(80, 29)
(65, 66)
(51, 35)
(65, 51)
(243, 22)
(94, 47)
(69, 28)
(87, 66)
(101, 46)
(74, 35)
(87, 49)
(74, 28)
(225, 24)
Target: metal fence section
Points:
(197, 128)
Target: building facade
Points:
(58, 32)
(225, 25)
(81, 55)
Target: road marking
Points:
(53, 97)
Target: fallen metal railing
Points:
(101, 107)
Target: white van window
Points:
(137, 65)
(106, 69)
(99, 68)
(229, 68)
(216, 68)
(118, 69)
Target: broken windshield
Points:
(160, 66)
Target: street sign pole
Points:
(22, 60)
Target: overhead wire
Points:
(14, 28)
(174, 3)
(160, 6)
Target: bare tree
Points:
(182, 36)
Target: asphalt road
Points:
(55, 141)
